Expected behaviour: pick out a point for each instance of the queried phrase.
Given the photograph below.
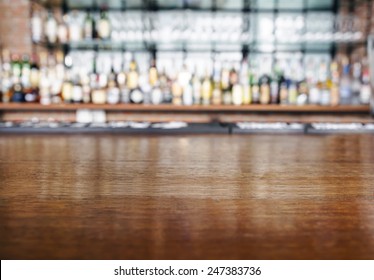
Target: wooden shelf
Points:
(193, 108)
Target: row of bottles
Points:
(47, 80)
(69, 28)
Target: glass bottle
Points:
(217, 91)
(136, 95)
(345, 89)
(113, 92)
(206, 89)
(225, 85)
(196, 87)
(365, 90)
(36, 27)
(104, 26)
(51, 28)
(88, 26)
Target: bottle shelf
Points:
(159, 5)
(193, 108)
(252, 47)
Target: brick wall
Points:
(15, 26)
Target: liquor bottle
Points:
(302, 96)
(217, 92)
(32, 96)
(86, 89)
(236, 88)
(1, 78)
(63, 30)
(325, 93)
(176, 89)
(121, 76)
(103, 26)
(188, 93)
(206, 89)
(165, 88)
(55, 82)
(145, 86)
(264, 83)
(292, 92)
(133, 76)
(6, 86)
(17, 92)
(334, 87)
(356, 83)
(136, 95)
(36, 27)
(244, 82)
(345, 90)
(25, 71)
(264, 80)
(255, 89)
(184, 79)
(51, 28)
(44, 82)
(121, 81)
(113, 92)
(75, 30)
(196, 88)
(6, 80)
(225, 85)
(29, 90)
(77, 90)
(283, 91)
(153, 74)
(156, 93)
(365, 90)
(312, 80)
(16, 67)
(275, 86)
(98, 94)
(88, 26)
(67, 87)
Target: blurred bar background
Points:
(190, 61)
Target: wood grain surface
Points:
(191, 108)
(186, 197)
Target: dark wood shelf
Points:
(192, 108)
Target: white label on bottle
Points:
(237, 95)
(256, 93)
(325, 97)
(197, 92)
(314, 95)
(36, 27)
(125, 95)
(88, 30)
(51, 30)
(137, 96)
(99, 96)
(62, 33)
(365, 94)
(67, 91)
(74, 32)
(113, 95)
(77, 94)
(104, 28)
(156, 96)
(56, 87)
(187, 95)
